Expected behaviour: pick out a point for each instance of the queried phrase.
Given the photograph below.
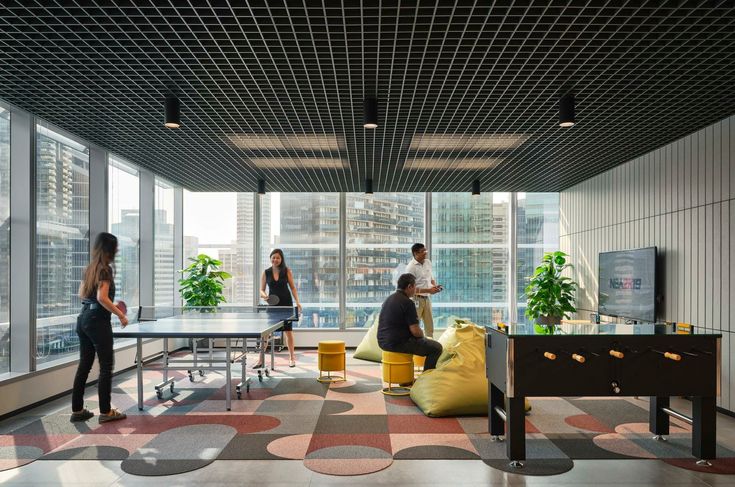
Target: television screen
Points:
(627, 284)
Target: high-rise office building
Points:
(4, 240)
(62, 239)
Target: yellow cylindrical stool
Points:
(331, 358)
(418, 363)
(397, 369)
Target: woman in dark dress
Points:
(279, 279)
(94, 328)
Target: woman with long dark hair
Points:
(94, 328)
(279, 278)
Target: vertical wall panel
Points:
(678, 198)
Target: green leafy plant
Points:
(203, 282)
(550, 295)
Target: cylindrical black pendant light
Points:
(173, 113)
(371, 113)
(368, 186)
(566, 110)
(261, 186)
(476, 187)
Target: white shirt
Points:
(422, 273)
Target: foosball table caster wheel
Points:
(171, 388)
(260, 375)
(267, 372)
(191, 375)
(201, 373)
(159, 394)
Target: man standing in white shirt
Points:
(420, 268)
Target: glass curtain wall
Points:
(4, 240)
(124, 223)
(537, 230)
(163, 234)
(221, 225)
(469, 254)
(380, 231)
(305, 226)
(62, 240)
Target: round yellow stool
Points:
(418, 363)
(331, 358)
(397, 369)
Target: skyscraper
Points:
(62, 238)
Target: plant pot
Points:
(549, 320)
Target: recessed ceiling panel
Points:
(466, 90)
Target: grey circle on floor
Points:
(179, 450)
(534, 466)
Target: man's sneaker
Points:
(82, 415)
(113, 415)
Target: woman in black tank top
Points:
(279, 279)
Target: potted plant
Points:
(203, 282)
(550, 295)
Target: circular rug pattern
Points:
(348, 460)
(89, 453)
(534, 466)
(180, 450)
(722, 466)
(17, 456)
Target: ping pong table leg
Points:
(228, 374)
(273, 350)
(139, 346)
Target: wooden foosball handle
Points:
(617, 354)
(673, 356)
(578, 358)
(550, 355)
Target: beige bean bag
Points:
(458, 385)
(368, 348)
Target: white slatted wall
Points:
(680, 198)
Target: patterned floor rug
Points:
(347, 428)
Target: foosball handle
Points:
(579, 358)
(617, 354)
(550, 356)
(673, 356)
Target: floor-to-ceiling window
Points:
(537, 231)
(380, 228)
(469, 253)
(62, 240)
(163, 234)
(222, 225)
(306, 227)
(4, 240)
(124, 223)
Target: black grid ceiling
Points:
(266, 83)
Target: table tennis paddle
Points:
(272, 299)
(122, 307)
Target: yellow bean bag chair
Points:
(368, 349)
(458, 386)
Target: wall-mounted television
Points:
(627, 284)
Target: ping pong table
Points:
(250, 323)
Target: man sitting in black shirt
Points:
(398, 325)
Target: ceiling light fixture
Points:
(261, 186)
(476, 187)
(368, 186)
(371, 113)
(566, 110)
(173, 113)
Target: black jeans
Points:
(95, 336)
(425, 347)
